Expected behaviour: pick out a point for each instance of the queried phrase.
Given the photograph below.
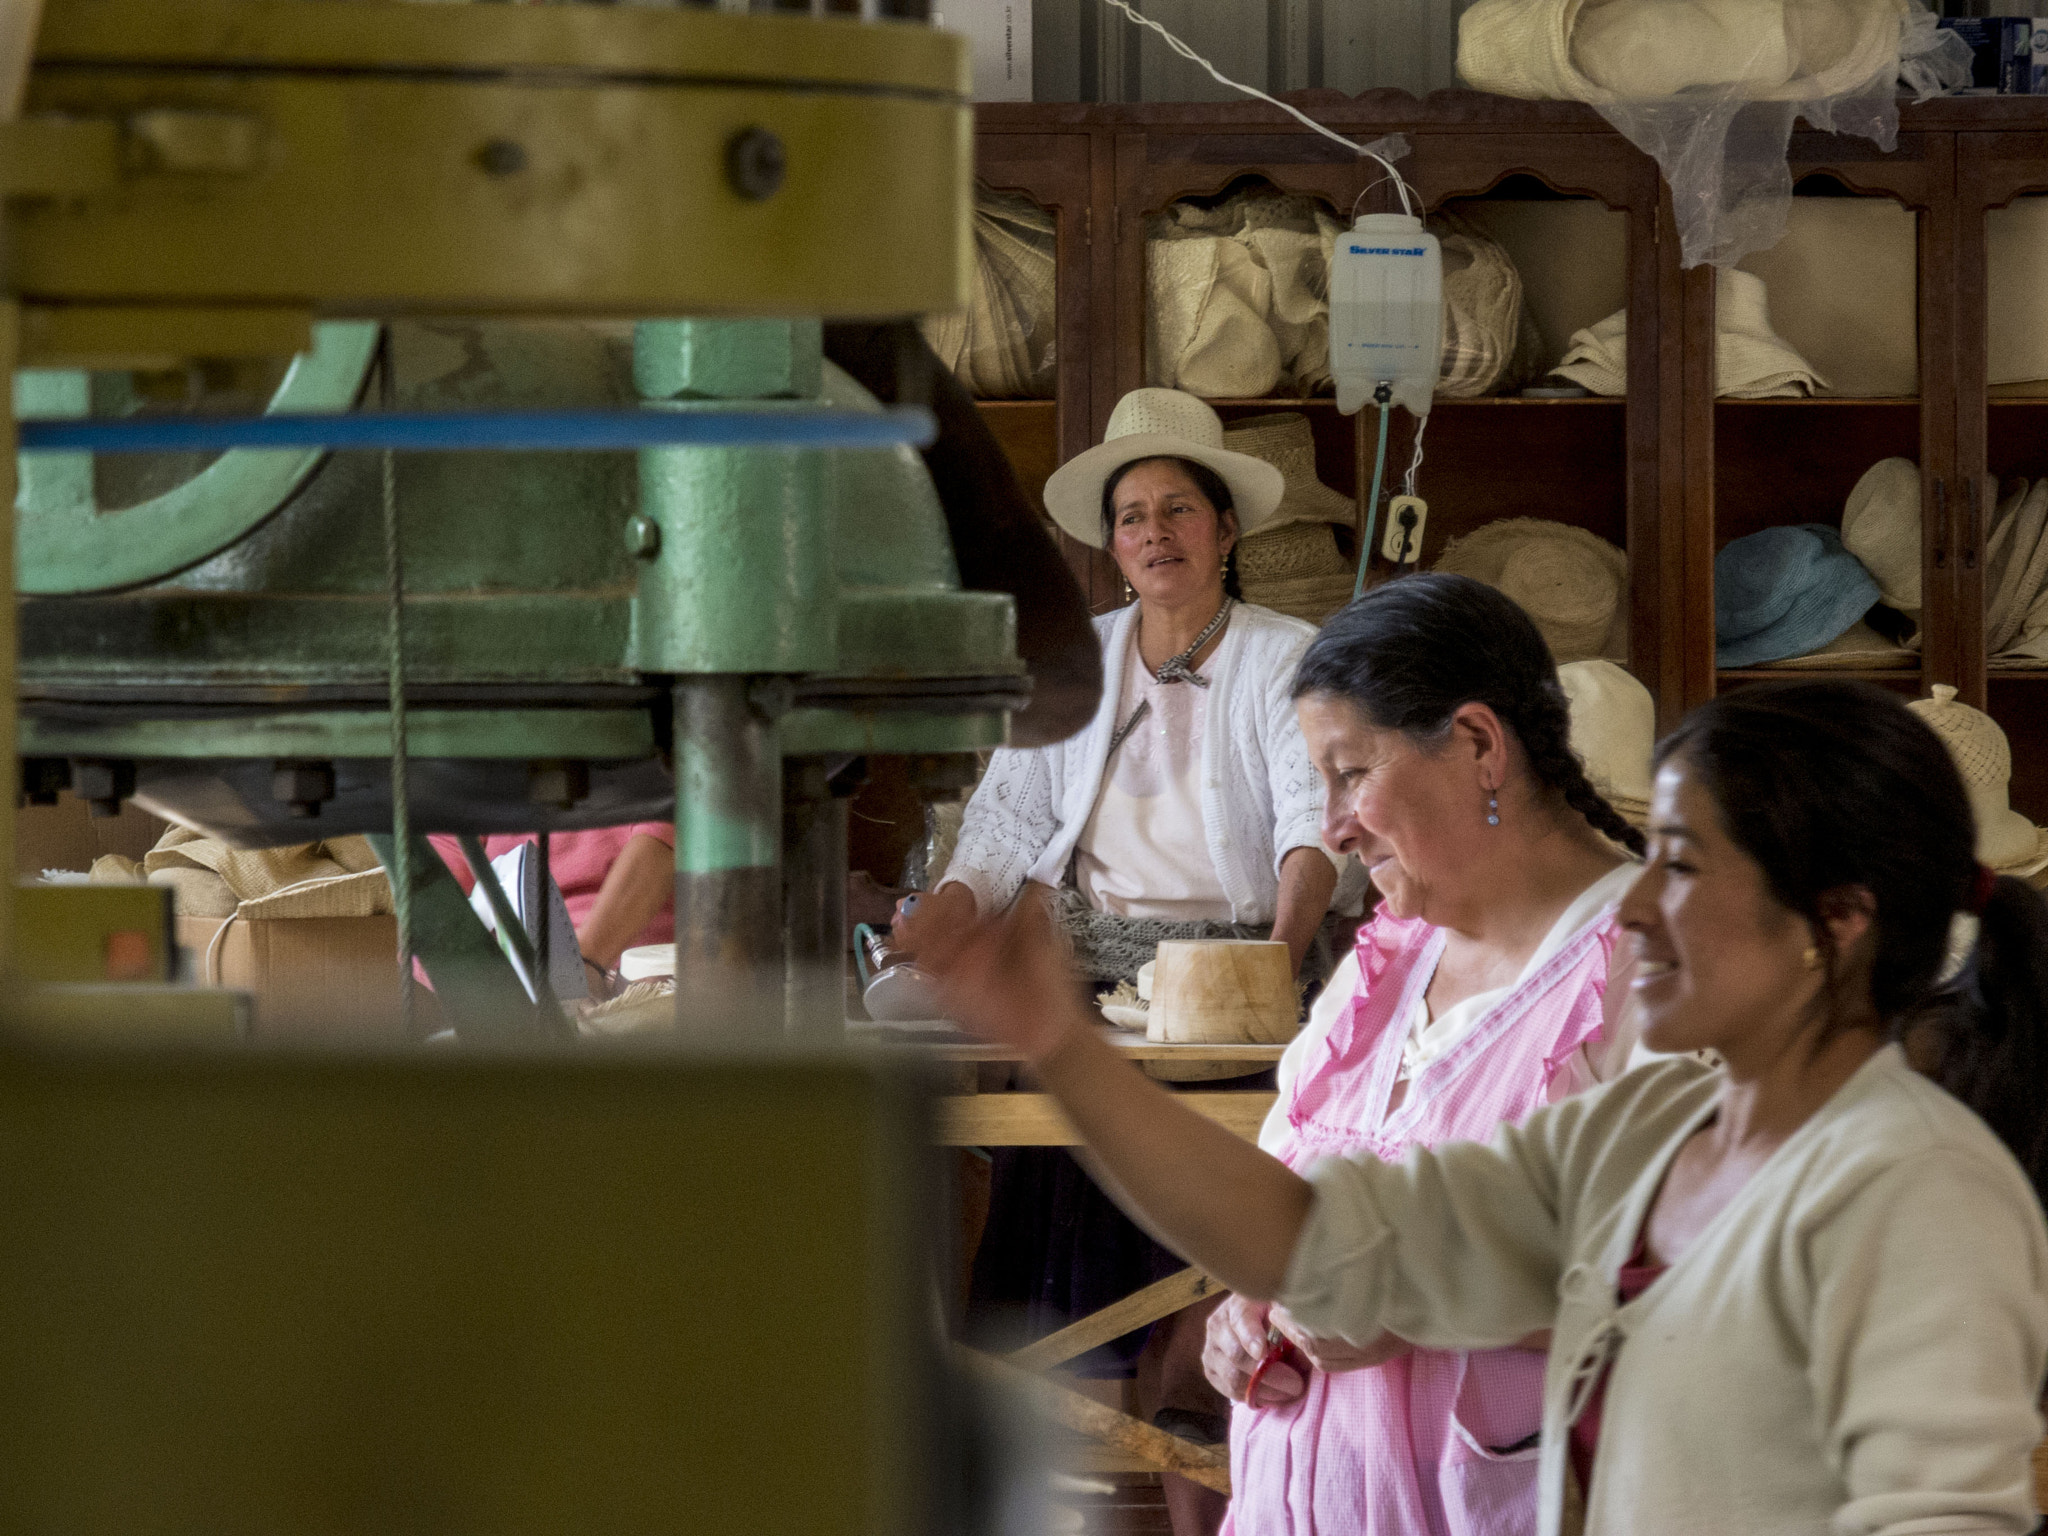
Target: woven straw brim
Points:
(1857, 648)
(1482, 310)
(1544, 50)
(1282, 440)
(1290, 552)
(1074, 493)
(2031, 864)
(1751, 361)
(1313, 598)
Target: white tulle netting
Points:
(1710, 88)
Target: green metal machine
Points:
(585, 638)
(539, 1288)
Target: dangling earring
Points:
(1128, 594)
(1224, 565)
(1811, 958)
(1492, 810)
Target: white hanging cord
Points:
(1181, 48)
(1415, 463)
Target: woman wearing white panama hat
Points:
(1188, 809)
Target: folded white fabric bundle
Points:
(1751, 361)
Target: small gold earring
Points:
(1811, 957)
(1128, 594)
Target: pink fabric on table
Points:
(1420, 1446)
(578, 861)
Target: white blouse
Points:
(1142, 852)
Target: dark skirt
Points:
(1056, 1248)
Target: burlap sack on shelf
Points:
(1001, 346)
(1209, 318)
(1205, 308)
(337, 878)
(1482, 315)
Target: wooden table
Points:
(969, 1117)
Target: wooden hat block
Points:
(1223, 991)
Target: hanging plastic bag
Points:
(1710, 88)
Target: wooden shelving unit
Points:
(1669, 472)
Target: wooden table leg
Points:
(1208, 1465)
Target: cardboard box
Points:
(332, 979)
(998, 34)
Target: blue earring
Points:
(1492, 811)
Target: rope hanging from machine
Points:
(401, 815)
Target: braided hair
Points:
(1411, 652)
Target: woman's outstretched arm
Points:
(1212, 1197)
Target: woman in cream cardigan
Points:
(1803, 1292)
(1188, 808)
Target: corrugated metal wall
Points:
(1084, 51)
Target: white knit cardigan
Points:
(1261, 796)
(1853, 1346)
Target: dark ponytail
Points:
(1830, 784)
(1988, 1041)
(1207, 481)
(1410, 652)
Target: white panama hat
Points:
(1881, 527)
(2006, 840)
(1159, 424)
(1614, 731)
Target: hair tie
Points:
(1980, 889)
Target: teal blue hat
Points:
(1786, 592)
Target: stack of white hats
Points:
(1293, 563)
(2016, 578)
(2006, 840)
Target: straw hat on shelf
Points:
(1751, 361)
(1859, 648)
(1286, 441)
(1482, 315)
(1614, 730)
(1573, 583)
(1881, 527)
(1786, 592)
(1159, 423)
(2006, 840)
(1293, 564)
